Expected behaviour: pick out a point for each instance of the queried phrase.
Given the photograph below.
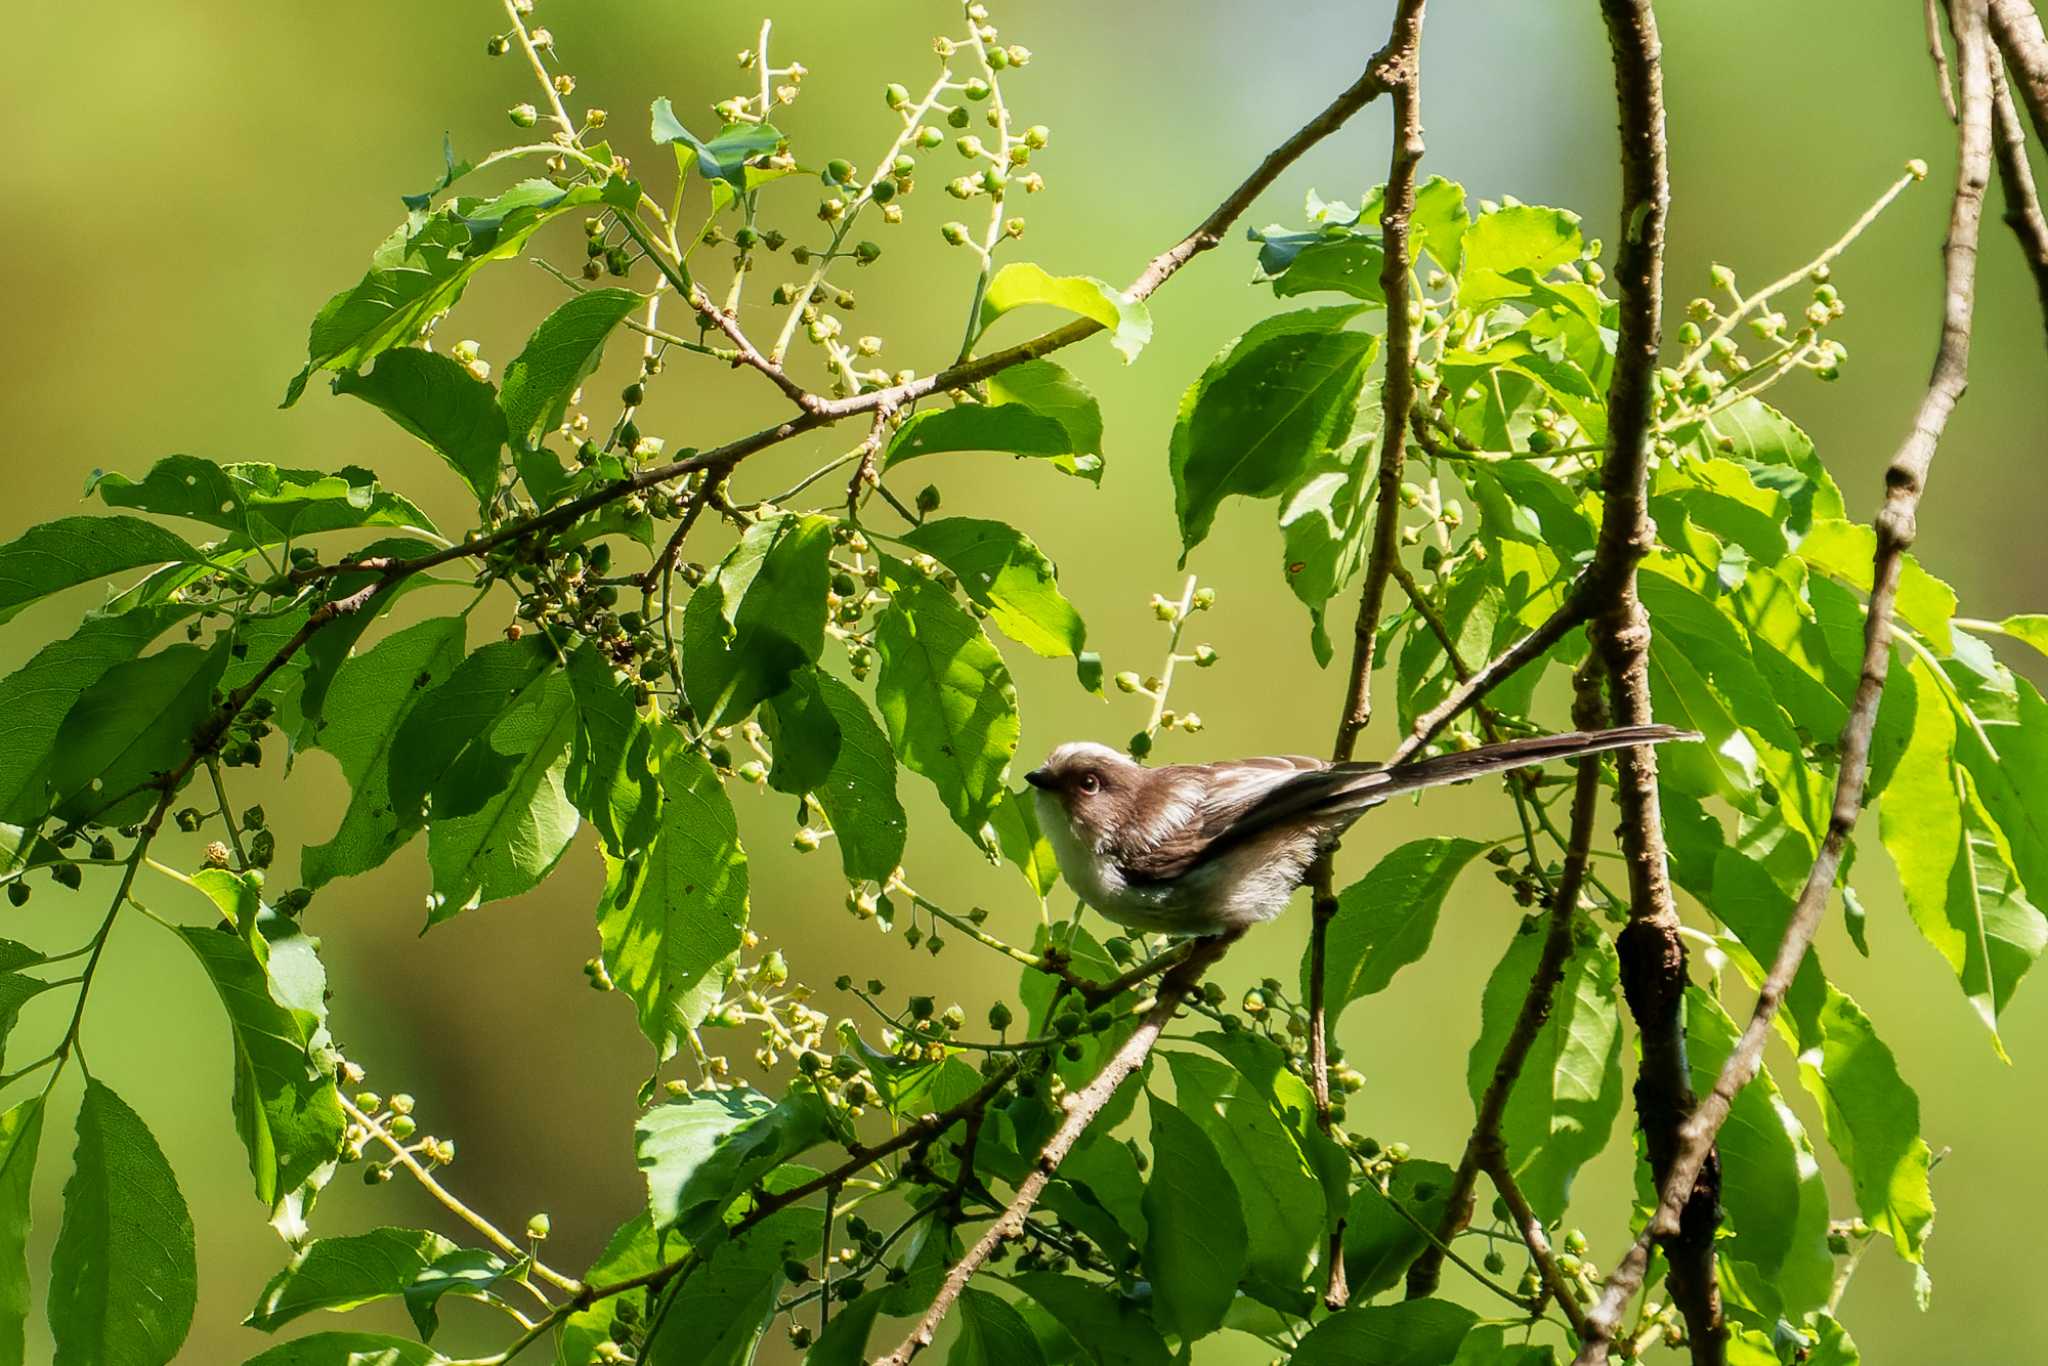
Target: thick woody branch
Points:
(2016, 28)
(1082, 1108)
(1494, 1161)
(2016, 185)
(1403, 68)
(1904, 482)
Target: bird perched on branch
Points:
(1203, 849)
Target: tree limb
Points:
(1904, 482)
(2016, 28)
(2016, 185)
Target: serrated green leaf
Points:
(1050, 390)
(349, 1349)
(946, 699)
(1110, 1327)
(859, 792)
(371, 698)
(1323, 520)
(1002, 569)
(672, 915)
(845, 1340)
(992, 1334)
(1023, 842)
(421, 269)
(2029, 628)
(1564, 1103)
(263, 502)
(21, 1133)
(443, 745)
(1521, 237)
(437, 400)
(1873, 1122)
(511, 841)
(803, 732)
(701, 1152)
(611, 766)
(1773, 1198)
(35, 699)
(1277, 1190)
(562, 352)
(1021, 282)
(286, 1108)
(720, 158)
(1848, 550)
(123, 1280)
(759, 618)
(1777, 454)
(633, 1250)
(17, 989)
(53, 556)
(335, 1274)
(1487, 1345)
(1380, 1242)
(1273, 404)
(1411, 1333)
(1196, 1243)
(715, 1317)
(1386, 919)
(130, 728)
(1014, 428)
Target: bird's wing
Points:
(1200, 804)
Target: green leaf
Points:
(420, 271)
(562, 352)
(349, 1349)
(992, 1334)
(21, 1133)
(633, 1250)
(35, 699)
(946, 700)
(1000, 568)
(1563, 1104)
(333, 645)
(130, 728)
(511, 842)
(1955, 864)
(845, 1340)
(611, 767)
(1196, 1244)
(1848, 550)
(444, 745)
(335, 1274)
(1110, 1327)
(436, 399)
(62, 554)
(123, 1280)
(1777, 454)
(1349, 264)
(1271, 405)
(1872, 1120)
(1021, 283)
(722, 157)
(803, 733)
(2028, 628)
(1411, 1333)
(1023, 842)
(701, 1152)
(1050, 390)
(858, 793)
(1487, 1345)
(1278, 1192)
(286, 1108)
(672, 915)
(1386, 919)
(1772, 1194)
(1016, 428)
(371, 697)
(1379, 1243)
(16, 990)
(759, 618)
(715, 1316)
(1323, 520)
(263, 502)
(1518, 238)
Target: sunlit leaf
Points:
(759, 618)
(1196, 1246)
(1001, 568)
(558, 357)
(437, 399)
(263, 502)
(1411, 1333)
(1386, 919)
(1021, 282)
(21, 1133)
(62, 554)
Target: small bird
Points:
(1199, 849)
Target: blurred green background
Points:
(189, 182)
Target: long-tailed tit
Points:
(1208, 848)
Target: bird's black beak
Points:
(1039, 778)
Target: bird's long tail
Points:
(1508, 754)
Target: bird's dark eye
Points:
(1090, 784)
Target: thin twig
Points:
(2016, 28)
(1943, 80)
(1494, 1160)
(1904, 483)
(864, 473)
(2016, 185)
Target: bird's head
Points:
(1092, 785)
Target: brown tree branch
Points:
(1653, 971)
(1493, 1159)
(1397, 397)
(2016, 28)
(1905, 480)
(1486, 1143)
(1931, 12)
(2016, 185)
(1082, 1108)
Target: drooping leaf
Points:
(611, 765)
(804, 733)
(262, 502)
(1196, 1244)
(1872, 1120)
(722, 157)
(1022, 840)
(946, 699)
(123, 1279)
(845, 1340)
(513, 840)
(1021, 282)
(131, 728)
(1411, 1333)
(17, 989)
(443, 745)
(634, 1249)
(1380, 1242)
(1001, 568)
(562, 352)
(371, 697)
(671, 917)
(701, 1152)
(714, 1317)
(1564, 1103)
(1386, 919)
(758, 618)
(1487, 1345)
(992, 1334)
(1111, 1329)
(333, 645)
(858, 793)
(21, 1133)
(1015, 428)
(349, 1349)
(1050, 390)
(1323, 520)
(53, 556)
(436, 399)
(335, 1274)
(1847, 550)
(286, 1108)
(1273, 404)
